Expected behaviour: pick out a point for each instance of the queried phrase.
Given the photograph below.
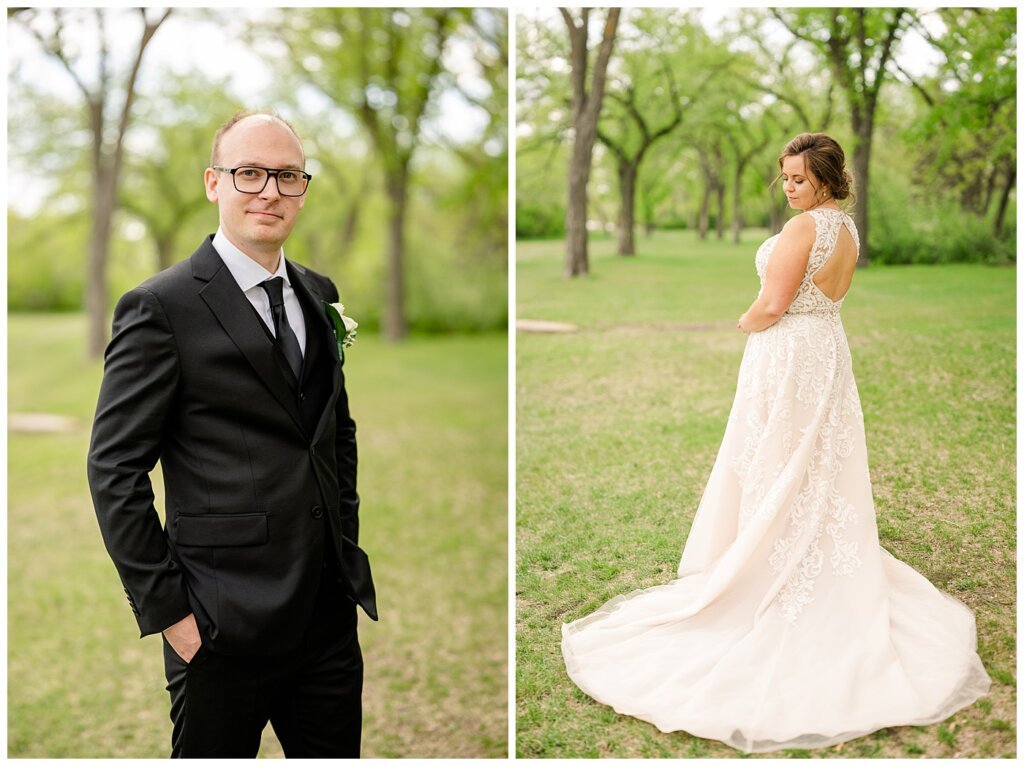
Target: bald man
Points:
(225, 368)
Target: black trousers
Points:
(312, 696)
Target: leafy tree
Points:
(857, 44)
(163, 180)
(345, 176)
(660, 189)
(108, 125)
(805, 93)
(710, 146)
(748, 131)
(384, 66)
(796, 97)
(969, 130)
(544, 127)
(643, 102)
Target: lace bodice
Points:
(809, 298)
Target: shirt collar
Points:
(247, 273)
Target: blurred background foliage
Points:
(743, 81)
(413, 97)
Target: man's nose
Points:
(270, 191)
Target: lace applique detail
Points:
(819, 509)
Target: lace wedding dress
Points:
(788, 626)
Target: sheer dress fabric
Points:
(789, 626)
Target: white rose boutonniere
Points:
(344, 326)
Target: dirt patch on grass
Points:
(41, 423)
(543, 325)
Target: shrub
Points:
(534, 221)
(932, 230)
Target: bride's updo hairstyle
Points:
(825, 159)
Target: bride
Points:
(788, 626)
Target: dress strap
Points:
(827, 224)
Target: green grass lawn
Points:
(618, 426)
(432, 420)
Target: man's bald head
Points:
(248, 115)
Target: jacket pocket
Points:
(218, 530)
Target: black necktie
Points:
(285, 338)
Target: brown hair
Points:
(825, 159)
(242, 114)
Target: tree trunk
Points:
(776, 211)
(350, 225)
(861, 162)
(1004, 198)
(164, 251)
(990, 188)
(705, 203)
(720, 222)
(576, 260)
(96, 296)
(737, 219)
(627, 192)
(586, 108)
(395, 327)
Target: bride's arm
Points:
(786, 268)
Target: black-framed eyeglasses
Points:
(252, 179)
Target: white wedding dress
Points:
(788, 626)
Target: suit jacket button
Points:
(302, 397)
(317, 512)
(312, 451)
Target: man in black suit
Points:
(225, 368)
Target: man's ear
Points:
(210, 178)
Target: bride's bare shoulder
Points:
(804, 222)
(799, 230)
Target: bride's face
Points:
(799, 183)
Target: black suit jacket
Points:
(259, 470)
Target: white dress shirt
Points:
(250, 275)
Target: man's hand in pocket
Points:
(183, 636)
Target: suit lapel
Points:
(319, 337)
(235, 314)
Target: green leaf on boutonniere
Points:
(344, 327)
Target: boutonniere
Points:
(344, 327)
